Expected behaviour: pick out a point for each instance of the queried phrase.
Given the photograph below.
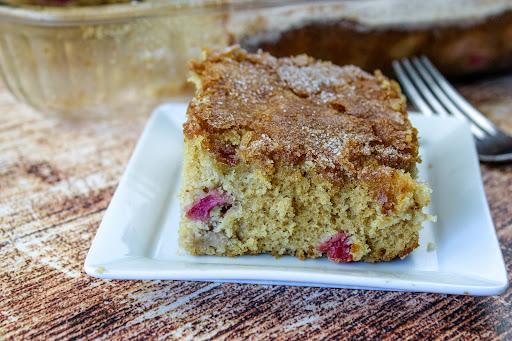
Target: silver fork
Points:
(432, 94)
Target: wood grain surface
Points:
(56, 180)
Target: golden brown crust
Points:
(297, 109)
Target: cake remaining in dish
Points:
(294, 156)
(459, 37)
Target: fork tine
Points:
(435, 95)
(481, 121)
(424, 89)
(431, 83)
(410, 90)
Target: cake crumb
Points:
(431, 246)
(100, 270)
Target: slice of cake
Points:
(294, 156)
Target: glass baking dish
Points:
(123, 59)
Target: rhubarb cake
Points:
(296, 156)
(460, 37)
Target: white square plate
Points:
(137, 238)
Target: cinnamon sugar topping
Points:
(257, 108)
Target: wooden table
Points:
(56, 180)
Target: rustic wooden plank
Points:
(56, 180)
